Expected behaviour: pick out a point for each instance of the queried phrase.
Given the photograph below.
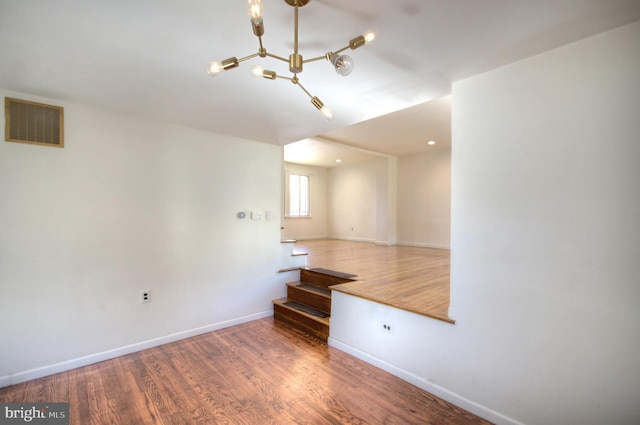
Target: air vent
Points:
(35, 123)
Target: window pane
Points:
(298, 195)
(304, 195)
(294, 194)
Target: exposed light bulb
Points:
(343, 64)
(257, 70)
(328, 115)
(214, 68)
(255, 8)
(369, 36)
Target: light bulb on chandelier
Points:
(256, 70)
(255, 8)
(214, 68)
(342, 64)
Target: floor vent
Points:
(34, 123)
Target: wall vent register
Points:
(33, 123)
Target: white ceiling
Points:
(399, 133)
(148, 57)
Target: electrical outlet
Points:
(387, 327)
(145, 296)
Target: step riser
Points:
(301, 322)
(320, 279)
(312, 299)
(312, 292)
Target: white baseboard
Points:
(401, 243)
(423, 245)
(430, 387)
(40, 372)
(345, 238)
(385, 243)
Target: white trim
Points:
(437, 390)
(424, 245)
(40, 372)
(341, 238)
(311, 238)
(385, 243)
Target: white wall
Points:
(314, 227)
(424, 199)
(545, 246)
(392, 200)
(127, 205)
(386, 201)
(352, 201)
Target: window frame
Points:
(288, 193)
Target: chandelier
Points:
(343, 64)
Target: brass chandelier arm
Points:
(340, 50)
(295, 30)
(315, 59)
(248, 57)
(277, 57)
(325, 56)
(270, 75)
(354, 43)
(297, 83)
(326, 112)
(295, 59)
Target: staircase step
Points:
(305, 308)
(313, 288)
(285, 310)
(324, 278)
(314, 296)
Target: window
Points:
(298, 195)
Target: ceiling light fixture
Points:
(343, 64)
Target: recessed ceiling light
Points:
(431, 142)
(338, 160)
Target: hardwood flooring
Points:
(410, 278)
(260, 372)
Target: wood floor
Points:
(260, 372)
(411, 278)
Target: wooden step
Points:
(308, 303)
(314, 296)
(324, 278)
(306, 322)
